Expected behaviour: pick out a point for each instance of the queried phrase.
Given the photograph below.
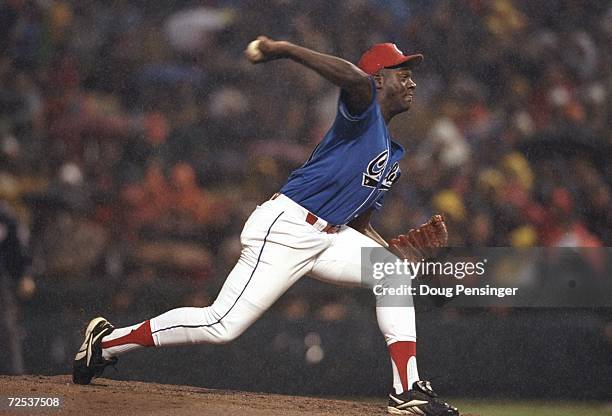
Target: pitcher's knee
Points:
(226, 335)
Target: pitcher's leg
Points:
(398, 325)
(231, 313)
(269, 264)
(341, 264)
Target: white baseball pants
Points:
(279, 247)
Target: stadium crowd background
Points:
(135, 139)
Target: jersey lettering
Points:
(392, 176)
(374, 170)
(373, 173)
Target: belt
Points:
(316, 222)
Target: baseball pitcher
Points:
(315, 225)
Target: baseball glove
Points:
(422, 243)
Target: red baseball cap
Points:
(385, 55)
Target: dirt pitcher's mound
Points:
(110, 397)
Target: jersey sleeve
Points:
(348, 125)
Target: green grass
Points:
(535, 408)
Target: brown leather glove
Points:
(422, 243)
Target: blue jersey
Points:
(351, 169)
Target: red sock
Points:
(401, 352)
(141, 336)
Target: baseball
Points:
(253, 52)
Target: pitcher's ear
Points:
(378, 80)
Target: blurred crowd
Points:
(135, 139)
